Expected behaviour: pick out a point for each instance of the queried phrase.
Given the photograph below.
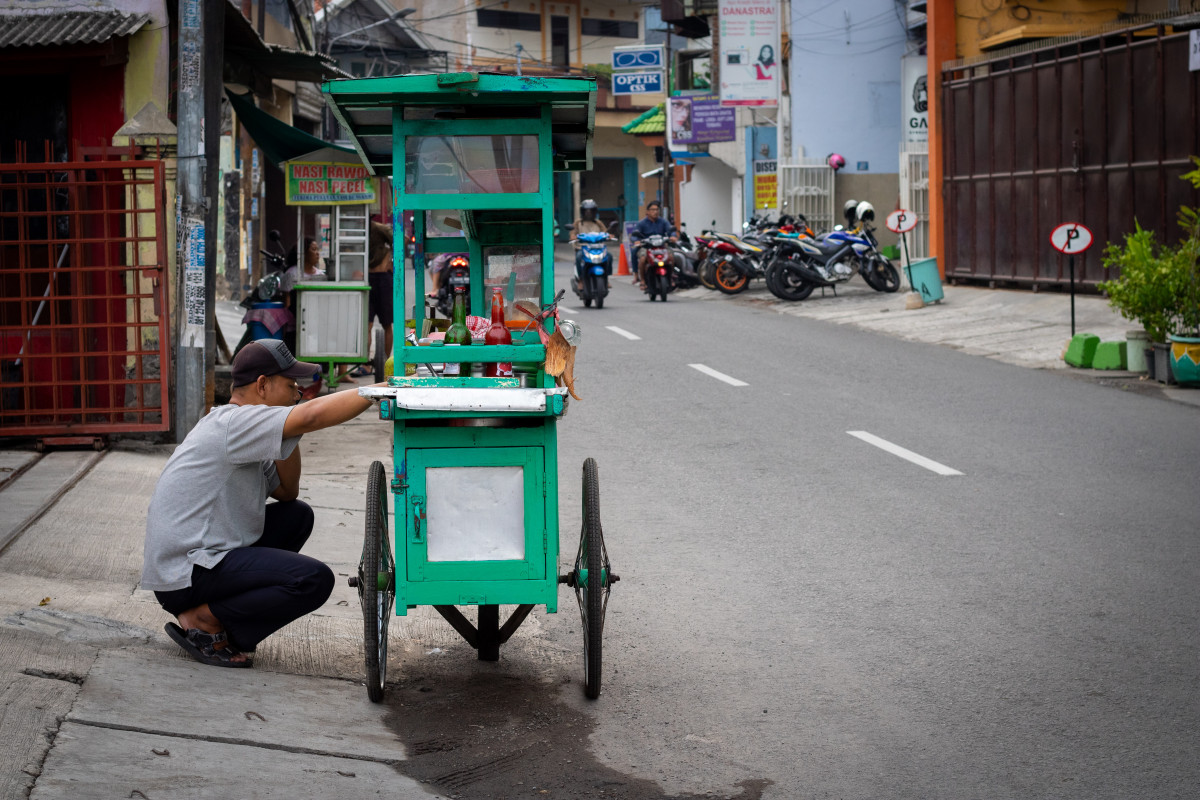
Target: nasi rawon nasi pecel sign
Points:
(322, 184)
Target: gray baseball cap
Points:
(268, 357)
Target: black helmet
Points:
(587, 206)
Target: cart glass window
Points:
(476, 513)
(520, 266)
(443, 224)
(471, 164)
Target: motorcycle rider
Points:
(587, 223)
(650, 225)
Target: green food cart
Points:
(473, 487)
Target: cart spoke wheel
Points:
(380, 360)
(376, 582)
(592, 580)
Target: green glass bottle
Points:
(458, 334)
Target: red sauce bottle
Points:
(497, 334)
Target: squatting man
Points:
(218, 557)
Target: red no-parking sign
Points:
(1070, 238)
(901, 221)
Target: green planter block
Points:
(1082, 350)
(1110, 355)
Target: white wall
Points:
(706, 196)
(845, 78)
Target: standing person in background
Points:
(379, 276)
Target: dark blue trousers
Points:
(254, 591)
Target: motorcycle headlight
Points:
(268, 287)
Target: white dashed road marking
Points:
(908, 455)
(633, 337)
(721, 376)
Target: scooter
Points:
(659, 264)
(270, 286)
(684, 259)
(458, 273)
(597, 263)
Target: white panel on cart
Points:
(331, 324)
(475, 513)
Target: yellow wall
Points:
(983, 25)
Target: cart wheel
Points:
(376, 582)
(380, 357)
(593, 580)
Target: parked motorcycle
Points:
(270, 286)
(597, 263)
(802, 264)
(685, 257)
(733, 262)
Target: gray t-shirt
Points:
(211, 496)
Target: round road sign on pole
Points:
(901, 221)
(1070, 238)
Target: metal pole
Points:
(1071, 263)
(211, 80)
(666, 128)
(907, 260)
(192, 310)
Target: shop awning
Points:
(653, 121)
(252, 62)
(279, 141)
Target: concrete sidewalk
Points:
(95, 701)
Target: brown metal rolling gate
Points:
(84, 344)
(1096, 131)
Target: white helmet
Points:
(865, 211)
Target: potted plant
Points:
(1159, 287)
(1185, 339)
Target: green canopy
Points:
(279, 141)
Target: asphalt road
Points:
(804, 614)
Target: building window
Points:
(616, 28)
(513, 20)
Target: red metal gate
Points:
(1096, 130)
(84, 344)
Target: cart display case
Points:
(468, 513)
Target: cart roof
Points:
(364, 108)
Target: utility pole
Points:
(201, 43)
(667, 200)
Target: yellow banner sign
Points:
(766, 181)
(318, 184)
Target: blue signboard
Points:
(639, 57)
(637, 82)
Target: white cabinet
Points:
(332, 322)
